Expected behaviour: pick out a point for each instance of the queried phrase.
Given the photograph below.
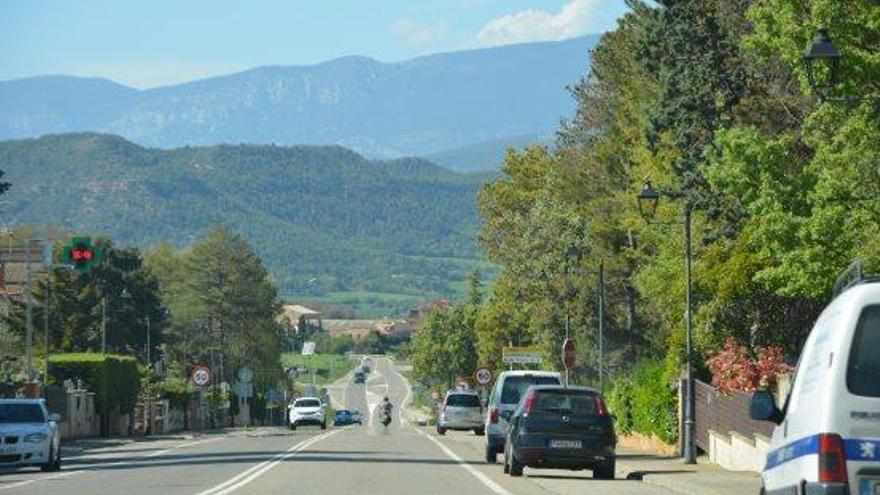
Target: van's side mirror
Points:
(55, 417)
(763, 407)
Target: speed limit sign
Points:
(483, 376)
(201, 376)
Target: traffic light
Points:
(82, 255)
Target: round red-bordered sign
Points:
(483, 375)
(201, 376)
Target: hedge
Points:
(114, 379)
(643, 402)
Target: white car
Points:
(828, 436)
(30, 435)
(510, 387)
(307, 411)
(461, 410)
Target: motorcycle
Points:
(386, 418)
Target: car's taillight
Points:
(832, 459)
(494, 415)
(601, 410)
(529, 403)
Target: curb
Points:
(678, 482)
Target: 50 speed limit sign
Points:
(483, 376)
(201, 376)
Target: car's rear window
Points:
(463, 400)
(515, 386)
(863, 371)
(572, 402)
(21, 413)
(307, 403)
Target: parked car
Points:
(30, 435)
(356, 417)
(307, 411)
(343, 418)
(461, 410)
(509, 389)
(360, 377)
(828, 436)
(561, 427)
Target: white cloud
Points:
(417, 33)
(573, 19)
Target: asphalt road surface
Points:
(367, 459)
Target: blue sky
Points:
(148, 43)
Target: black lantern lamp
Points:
(649, 198)
(819, 53)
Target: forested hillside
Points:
(404, 226)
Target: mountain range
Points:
(462, 108)
(403, 226)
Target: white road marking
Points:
(255, 472)
(79, 469)
(495, 487)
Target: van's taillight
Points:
(601, 410)
(529, 402)
(494, 415)
(832, 459)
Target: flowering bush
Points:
(733, 369)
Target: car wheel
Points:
(491, 454)
(604, 471)
(441, 431)
(292, 426)
(479, 431)
(516, 467)
(323, 426)
(50, 462)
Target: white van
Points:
(509, 388)
(828, 436)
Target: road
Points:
(353, 460)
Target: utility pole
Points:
(601, 323)
(46, 331)
(29, 352)
(103, 324)
(690, 453)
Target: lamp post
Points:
(648, 199)
(822, 63)
(149, 405)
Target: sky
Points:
(151, 43)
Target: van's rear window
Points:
(515, 386)
(863, 372)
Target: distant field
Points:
(365, 304)
(328, 367)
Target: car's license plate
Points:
(869, 486)
(565, 444)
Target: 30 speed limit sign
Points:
(201, 376)
(483, 375)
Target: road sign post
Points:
(568, 357)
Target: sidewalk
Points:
(702, 478)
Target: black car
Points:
(561, 427)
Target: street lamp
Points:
(822, 62)
(648, 199)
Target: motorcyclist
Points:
(386, 405)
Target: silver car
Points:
(30, 435)
(461, 410)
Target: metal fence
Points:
(724, 414)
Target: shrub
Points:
(114, 379)
(733, 369)
(643, 402)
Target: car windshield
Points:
(574, 402)
(307, 403)
(516, 386)
(463, 400)
(863, 371)
(21, 413)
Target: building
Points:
(362, 328)
(415, 316)
(292, 313)
(13, 269)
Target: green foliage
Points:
(644, 401)
(444, 348)
(314, 212)
(115, 380)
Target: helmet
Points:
(385, 399)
